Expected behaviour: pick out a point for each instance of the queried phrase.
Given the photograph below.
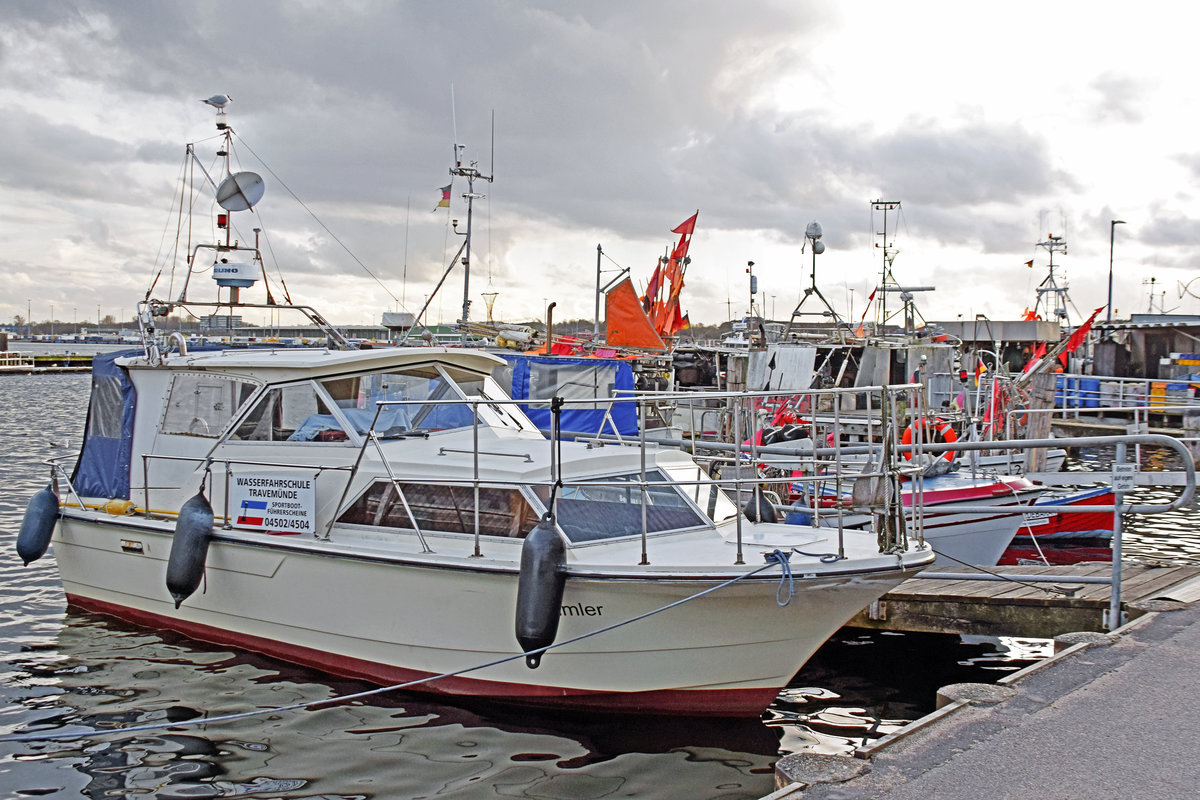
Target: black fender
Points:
(189, 548)
(540, 589)
(41, 515)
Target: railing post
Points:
(737, 475)
(475, 469)
(1114, 605)
(642, 466)
(228, 523)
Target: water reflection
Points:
(1172, 537)
(101, 675)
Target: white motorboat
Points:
(389, 514)
(973, 536)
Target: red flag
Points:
(680, 251)
(687, 226)
(1029, 263)
(1081, 332)
(673, 272)
(652, 287)
(1038, 355)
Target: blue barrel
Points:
(1090, 391)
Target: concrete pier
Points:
(1113, 716)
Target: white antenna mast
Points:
(471, 173)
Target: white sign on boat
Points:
(275, 502)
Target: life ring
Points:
(936, 430)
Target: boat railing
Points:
(748, 482)
(228, 464)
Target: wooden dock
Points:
(1036, 610)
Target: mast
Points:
(472, 174)
(1049, 293)
(889, 254)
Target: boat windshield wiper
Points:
(401, 432)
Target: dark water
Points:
(63, 670)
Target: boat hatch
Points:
(450, 508)
(202, 404)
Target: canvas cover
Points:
(104, 460)
(542, 378)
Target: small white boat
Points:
(389, 514)
(958, 537)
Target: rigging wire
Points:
(772, 559)
(318, 220)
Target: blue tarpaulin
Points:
(544, 377)
(103, 466)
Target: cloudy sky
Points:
(995, 125)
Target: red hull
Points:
(1055, 554)
(1045, 523)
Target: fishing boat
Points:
(391, 514)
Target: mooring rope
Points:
(777, 557)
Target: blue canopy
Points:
(544, 377)
(103, 466)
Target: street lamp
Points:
(1112, 227)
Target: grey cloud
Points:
(1121, 98)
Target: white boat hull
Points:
(960, 539)
(727, 653)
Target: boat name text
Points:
(275, 483)
(580, 610)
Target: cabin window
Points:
(714, 501)
(202, 405)
(291, 414)
(358, 397)
(611, 507)
(107, 406)
(502, 512)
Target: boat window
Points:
(202, 405)
(572, 382)
(291, 414)
(714, 501)
(611, 507)
(358, 396)
(107, 406)
(502, 512)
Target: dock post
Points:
(1114, 604)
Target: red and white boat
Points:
(958, 537)
(1064, 538)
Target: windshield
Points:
(423, 390)
(611, 507)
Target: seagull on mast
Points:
(218, 101)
